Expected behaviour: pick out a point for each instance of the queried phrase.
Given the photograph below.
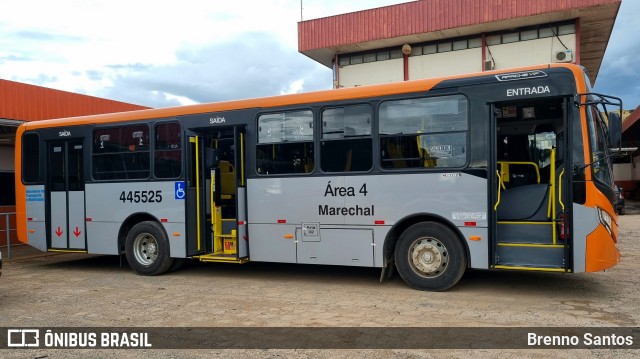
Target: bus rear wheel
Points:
(430, 256)
(147, 249)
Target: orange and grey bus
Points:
(496, 170)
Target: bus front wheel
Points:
(147, 249)
(430, 256)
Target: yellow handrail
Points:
(552, 192)
(425, 157)
(560, 189)
(500, 184)
(241, 159)
(553, 177)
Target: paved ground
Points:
(79, 290)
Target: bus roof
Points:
(281, 100)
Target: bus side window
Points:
(428, 132)
(167, 156)
(121, 152)
(346, 139)
(285, 143)
(31, 158)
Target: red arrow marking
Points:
(59, 231)
(77, 231)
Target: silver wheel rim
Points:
(145, 249)
(428, 257)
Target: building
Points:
(430, 38)
(21, 103)
(627, 165)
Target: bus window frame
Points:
(590, 105)
(597, 139)
(371, 136)
(153, 135)
(25, 163)
(150, 151)
(378, 135)
(314, 156)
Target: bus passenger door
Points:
(216, 197)
(528, 175)
(65, 192)
(195, 195)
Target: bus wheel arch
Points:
(146, 245)
(128, 223)
(418, 243)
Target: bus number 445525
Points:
(141, 196)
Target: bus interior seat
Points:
(426, 160)
(308, 164)
(227, 178)
(520, 175)
(396, 156)
(524, 203)
(348, 159)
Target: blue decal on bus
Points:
(180, 192)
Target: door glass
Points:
(76, 175)
(57, 167)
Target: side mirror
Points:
(212, 158)
(615, 130)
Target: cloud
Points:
(619, 75)
(162, 53)
(249, 65)
(26, 35)
(14, 58)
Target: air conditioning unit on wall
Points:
(488, 65)
(564, 56)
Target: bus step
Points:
(530, 255)
(527, 268)
(533, 232)
(529, 245)
(220, 257)
(67, 250)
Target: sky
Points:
(162, 53)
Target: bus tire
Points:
(147, 249)
(430, 256)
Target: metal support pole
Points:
(7, 228)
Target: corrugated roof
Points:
(24, 102)
(421, 17)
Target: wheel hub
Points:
(145, 249)
(428, 257)
(151, 248)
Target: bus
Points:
(504, 170)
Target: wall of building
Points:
(7, 159)
(627, 176)
(7, 193)
(508, 49)
(445, 64)
(530, 52)
(371, 73)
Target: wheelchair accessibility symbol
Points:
(179, 191)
